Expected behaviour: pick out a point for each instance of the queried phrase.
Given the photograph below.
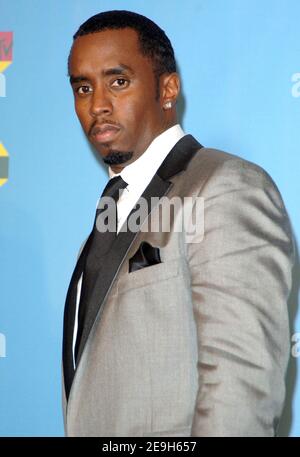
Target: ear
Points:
(170, 88)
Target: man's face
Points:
(115, 95)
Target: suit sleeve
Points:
(240, 281)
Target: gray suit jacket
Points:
(198, 344)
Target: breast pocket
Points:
(151, 275)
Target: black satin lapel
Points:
(69, 318)
(179, 157)
(115, 258)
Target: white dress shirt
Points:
(137, 175)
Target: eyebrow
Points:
(119, 70)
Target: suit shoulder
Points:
(217, 163)
(212, 169)
(223, 172)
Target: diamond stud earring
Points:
(168, 105)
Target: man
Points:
(170, 332)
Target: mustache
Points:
(98, 125)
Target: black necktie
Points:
(106, 217)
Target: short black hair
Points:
(154, 43)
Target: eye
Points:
(120, 82)
(82, 90)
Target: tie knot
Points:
(113, 186)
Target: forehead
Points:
(102, 49)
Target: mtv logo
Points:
(6, 48)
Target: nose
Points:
(100, 103)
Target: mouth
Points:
(105, 133)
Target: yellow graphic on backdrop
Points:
(3, 165)
(4, 64)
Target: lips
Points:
(105, 132)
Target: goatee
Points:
(117, 157)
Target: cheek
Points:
(82, 114)
(137, 114)
(129, 110)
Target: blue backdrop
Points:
(239, 62)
